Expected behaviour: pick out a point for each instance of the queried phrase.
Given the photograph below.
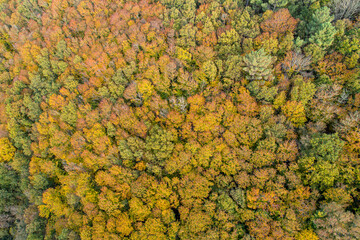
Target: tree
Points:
(68, 114)
(229, 43)
(194, 186)
(296, 62)
(267, 41)
(333, 222)
(279, 22)
(257, 65)
(314, 51)
(7, 150)
(307, 235)
(11, 195)
(270, 4)
(302, 91)
(345, 8)
(262, 92)
(198, 221)
(233, 71)
(320, 162)
(160, 144)
(138, 210)
(246, 24)
(326, 147)
(320, 29)
(295, 112)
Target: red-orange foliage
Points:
(279, 22)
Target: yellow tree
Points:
(295, 112)
(7, 150)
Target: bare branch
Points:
(345, 8)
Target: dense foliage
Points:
(213, 119)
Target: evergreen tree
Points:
(257, 65)
(320, 29)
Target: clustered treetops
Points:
(179, 119)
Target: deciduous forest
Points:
(179, 119)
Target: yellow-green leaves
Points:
(7, 150)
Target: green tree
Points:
(159, 144)
(320, 164)
(262, 92)
(302, 91)
(12, 202)
(229, 43)
(320, 29)
(246, 24)
(325, 147)
(257, 65)
(68, 114)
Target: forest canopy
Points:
(180, 119)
